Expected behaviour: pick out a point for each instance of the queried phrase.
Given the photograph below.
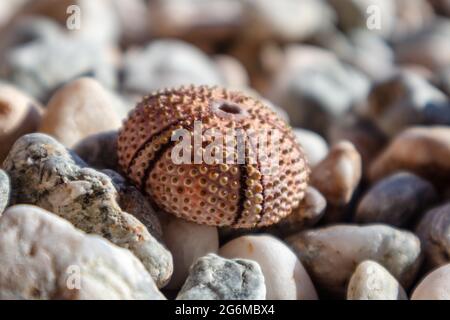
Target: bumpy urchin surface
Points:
(256, 193)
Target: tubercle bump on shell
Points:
(237, 195)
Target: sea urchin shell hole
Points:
(228, 109)
(255, 193)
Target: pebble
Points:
(79, 109)
(233, 71)
(307, 105)
(50, 255)
(288, 20)
(132, 201)
(365, 136)
(371, 281)
(187, 242)
(421, 150)
(307, 214)
(433, 231)
(396, 200)
(4, 191)
(167, 63)
(428, 47)
(404, 100)
(284, 274)
(354, 15)
(98, 19)
(214, 278)
(435, 286)
(43, 64)
(45, 174)
(314, 146)
(331, 254)
(337, 177)
(19, 114)
(99, 150)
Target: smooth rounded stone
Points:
(44, 173)
(434, 233)
(368, 140)
(353, 14)
(331, 254)
(412, 16)
(132, 201)
(314, 146)
(167, 63)
(43, 64)
(337, 177)
(435, 286)
(307, 214)
(79, 109)
(422, 150)
(396, 200)
(285, 276)
(196, 19)
(428, 47)
(187, 242)
(44, 257)
(4, 191)
(371, 281)
(307, 105)
(19, 114)
(99, 150)
(233, 71)
(98, 20)
(214, 278)
(288, 20)
(406, 99)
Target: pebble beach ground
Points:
(90, 207)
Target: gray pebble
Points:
(43, 64)
(45, 174)
(99, 150)
(167, 63)
(4, 191)
(434, 232)
(216, 278)
(396, 200)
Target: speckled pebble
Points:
(45, 174)
(4, 191)
(435, 286)
(215, 278)
(371, 281)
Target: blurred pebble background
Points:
(364, 83)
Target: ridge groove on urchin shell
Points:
(240, 195)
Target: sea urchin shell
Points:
(243, 194)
